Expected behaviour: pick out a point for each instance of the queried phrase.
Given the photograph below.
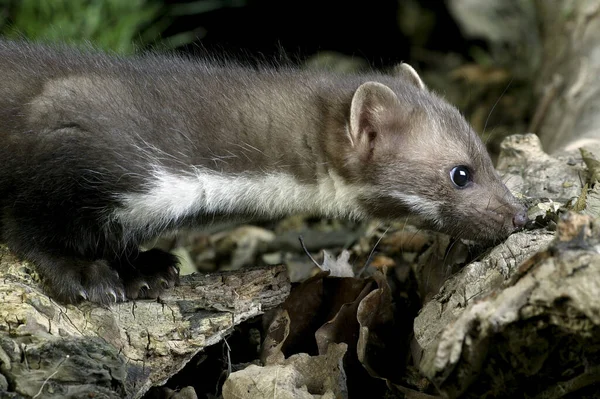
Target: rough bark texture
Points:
(123, 350)
(535, 334)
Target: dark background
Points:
(366, 29)
(380, 32)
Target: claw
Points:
(122, 296)
(113, 294)
(164, 283)
(144, 288)
(83, 295)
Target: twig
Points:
(50, 376)
(308, 253)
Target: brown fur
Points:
(81, 130)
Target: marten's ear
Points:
(408, 73)
(370, 101)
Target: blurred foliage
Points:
(202, 6)
(123, 26)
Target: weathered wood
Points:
(529, 335)
(123, 350)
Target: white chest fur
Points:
(170, 197)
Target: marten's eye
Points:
(460, 176)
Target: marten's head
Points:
(420, 158)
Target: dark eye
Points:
(460, 176)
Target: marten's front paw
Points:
(94, 281)
(151, 273)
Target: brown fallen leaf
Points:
(380, 346)
(276, 334)
(381, 261)
(405, 240)
(313, 303)
(343, 327)
(359, 312)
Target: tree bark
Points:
(123, 350)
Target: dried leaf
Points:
(303, 304)
(323, 312)
(344, 326)
(405, 239)
(381, 261)
(241, 245)
(277, 333)
(313, 303)
(377, 343)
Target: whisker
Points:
(372, 252)
(495, 104)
